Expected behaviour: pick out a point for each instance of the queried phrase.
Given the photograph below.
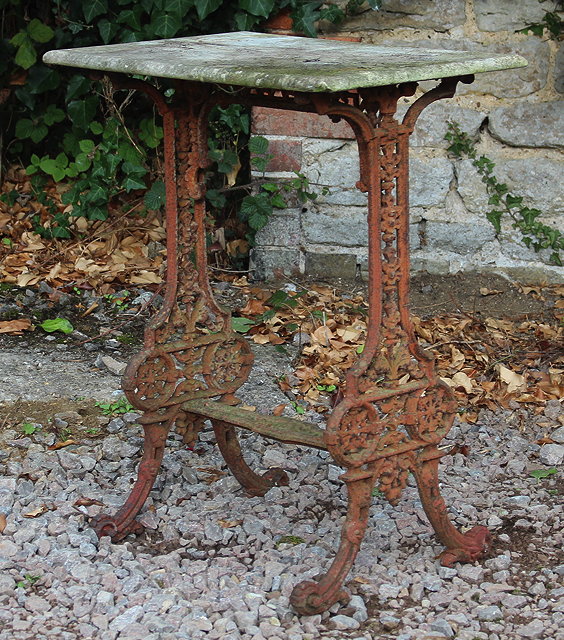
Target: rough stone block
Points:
(331, 163)
(538, 180)
(430, 180)
(457, 237)
(330, 265)
(528, 124)
(439, 15)
(506, 15)
(559, 70)
(289, 123)
(339, 226)
(432, 124)
(273, 264)
(283, 230)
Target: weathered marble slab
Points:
(281, 62)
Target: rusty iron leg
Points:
(255, 485)
(308, 597)
(123, 522)
(460, 547)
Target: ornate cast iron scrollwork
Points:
(395, 410)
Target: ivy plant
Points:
(534, 233)
(104, 146)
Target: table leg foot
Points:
(309, 598)
(460, 547)
(122, 523)
(255, 484)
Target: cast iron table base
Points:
(395, 410)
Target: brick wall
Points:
(516, 116)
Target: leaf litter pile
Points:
(124, 249)
(488, 362)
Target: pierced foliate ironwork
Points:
(395, 411)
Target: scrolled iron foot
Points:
(105, 525)
(277, 477)
(308, 598)
(477, 543)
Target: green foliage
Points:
(534, 234)
(64, 127)
(290, 540)
(57, 324)
(543, 473)
(28, 428)
(551, 22)
(242, 325)
(256, 209)
(119, 407)
(28, 581)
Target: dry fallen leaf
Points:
(484, 291)
(227, 524)
(514, 381)
(146, 277)
(87, 502)
(60, 445)
(37, 512)
(2, 522)
(278, 410)
(15, 327)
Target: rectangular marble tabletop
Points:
(281, 62)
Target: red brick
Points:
(296, 123)
(287, 155)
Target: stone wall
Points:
(516, 117)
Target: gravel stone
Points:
(341, 622)
(488, 613)
(442, 626)
(551, 454)
(471, 574)
(535, 629)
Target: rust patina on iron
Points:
(395, 410)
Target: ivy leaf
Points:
(77, 86)
(26, 55)
(39, 31)
(205, 7)
(107, 30)
(258, 144)
(241, 325)
(24, 128)
(38, 133)
(166, 25)
(86, 146)
(81, 162)
(98, 194)
(179, 7)
(132, 183)
(94, 8)
(155, 198)
(57, 324)
(257, 7)
(53, 115)
(82, 112)
(495, 218)
(278, 201)
(52, 168)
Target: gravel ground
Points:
(216, 564)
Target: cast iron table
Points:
(395, 410)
